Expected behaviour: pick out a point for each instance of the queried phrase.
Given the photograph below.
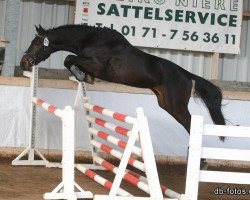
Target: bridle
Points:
(33, 57)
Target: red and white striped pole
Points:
(50, 108)
(166, 191)
(128, 177)
(110, 126)
(132, 161)
(102, 181)
(120, 143)
(109, 113)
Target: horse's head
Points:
(39, 50)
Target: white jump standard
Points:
(198, 151)
(66, 189)
(31, 150)
(140, 133)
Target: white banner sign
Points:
(197, 25)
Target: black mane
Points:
(80, 27)
(76, 29)
(72, 26)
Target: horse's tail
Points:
(212, 97)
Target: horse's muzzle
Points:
(26, 63)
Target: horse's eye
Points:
(37, 42)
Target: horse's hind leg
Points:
(175, 101)
(176, 104)
(180, 112)
(182, 115)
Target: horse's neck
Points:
(66, 42)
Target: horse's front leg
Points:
(71, 62)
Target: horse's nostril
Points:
(24, 63)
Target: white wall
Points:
(2, 16)
(169, 138)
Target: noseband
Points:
(32, 59)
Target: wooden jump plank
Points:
(224, 177)
(105, 86)
(225, 154)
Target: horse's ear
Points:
(40, 29)
(37, 29)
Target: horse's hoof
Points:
(77, 73)
(203, 165)
(89, 79)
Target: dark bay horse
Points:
(105, 54)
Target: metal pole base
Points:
(58, 193)
(31, 158)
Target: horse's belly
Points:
(133, 79)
